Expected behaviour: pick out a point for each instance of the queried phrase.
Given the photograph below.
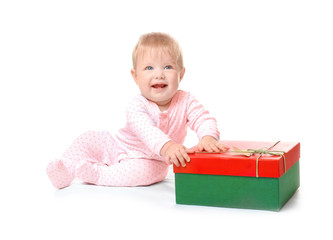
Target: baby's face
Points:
(158, 77)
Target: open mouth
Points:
(159, 85)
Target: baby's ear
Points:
(134, 75)
(182, 72)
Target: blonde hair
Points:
(160, 41)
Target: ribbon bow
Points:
(250, 152)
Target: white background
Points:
(262, 68)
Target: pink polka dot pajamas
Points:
(132, 156)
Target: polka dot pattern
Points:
(127, 173)
(58, 174)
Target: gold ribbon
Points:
(261, 151)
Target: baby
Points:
(157, 120)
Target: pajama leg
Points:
(127, 173)
(95, 147)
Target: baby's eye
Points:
(149, 68)
(168, 67)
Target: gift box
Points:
(255, 175)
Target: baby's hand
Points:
(176, 153)
(210, 144)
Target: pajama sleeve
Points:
(200, 121)
(142, 125)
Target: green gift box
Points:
(255, 175)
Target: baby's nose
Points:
(159, 74)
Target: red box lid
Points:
(239, 165)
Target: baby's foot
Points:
(88, 172)
(58, 174)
